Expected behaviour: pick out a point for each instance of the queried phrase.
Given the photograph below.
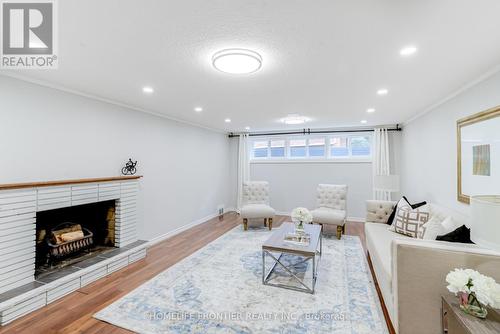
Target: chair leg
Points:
(245, 224)
(343, 229)
(270, 224)
(339, 232)
(265, 222)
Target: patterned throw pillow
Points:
(409, 221)
(402, 201)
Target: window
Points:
(278, 148)
(360, 145)
(340, 146)
(317, 147)
(260, 149)
(297, 148)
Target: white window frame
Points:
(327, 158)
(349, 150)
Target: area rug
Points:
(219, 289)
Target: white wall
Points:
(46, 134)
(294, 184)
(429, 157)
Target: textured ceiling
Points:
(323, 59)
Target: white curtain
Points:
(243, 167)
(381, 161)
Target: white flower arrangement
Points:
(471, 282)
(302, 215)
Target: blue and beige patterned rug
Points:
(219, 289)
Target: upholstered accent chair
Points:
(256, 203)
(331, 206)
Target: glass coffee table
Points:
(289, 267)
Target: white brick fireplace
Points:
(19, 205)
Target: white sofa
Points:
(411, 272)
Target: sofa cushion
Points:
(328, 216)
(379, 240)
(257, 211)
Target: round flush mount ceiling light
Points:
(147, 90)
(227, 120)
(408, 50)
(247, 128)
(237, 61)
(382, 91)
(294, 119)
(364, 121)
(370, 110)
(198, 109)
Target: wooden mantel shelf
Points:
(64, 182)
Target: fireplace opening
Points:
(70, 235)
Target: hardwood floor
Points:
(73, 313)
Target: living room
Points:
(250, 167)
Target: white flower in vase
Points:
(301, 216)
(476, 291)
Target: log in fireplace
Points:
(69, 235)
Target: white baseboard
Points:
(178, 230)
(231, 210)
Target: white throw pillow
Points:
(449, 225)
(431, 229)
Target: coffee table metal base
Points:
(303, 287)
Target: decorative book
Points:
(302, 239)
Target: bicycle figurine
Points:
(129, 168)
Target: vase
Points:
(470, 305)
(299, 227)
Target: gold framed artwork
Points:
(478, 155)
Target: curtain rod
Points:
(309, 131)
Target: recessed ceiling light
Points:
(364, 121)
(382, 91)
(148, 90)
(293, 119)
(247, 128)
(370, 110)
(198, 109)
(227, 120)
(237, 61)
(408, 50)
